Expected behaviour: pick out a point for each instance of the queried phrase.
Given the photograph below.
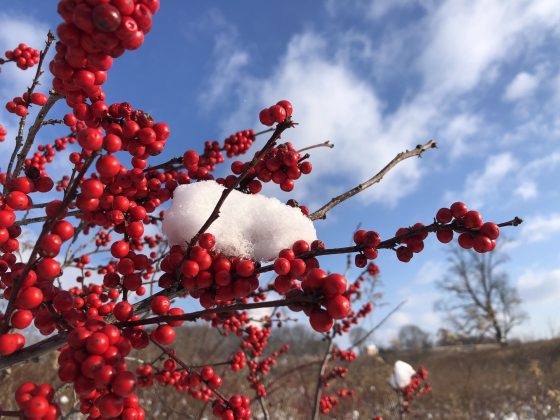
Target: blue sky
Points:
(481, 77)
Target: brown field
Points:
(469, 382)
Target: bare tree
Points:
(479, 299)
(412, 337)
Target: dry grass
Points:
(481, 382)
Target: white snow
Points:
(249, 226)
(402, 374)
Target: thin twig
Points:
(42, 218)
(315, 146)
(262, 403)
(320, 381)
(417, 151)
(376, 327)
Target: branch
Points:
(187, 368)
(266, 415)
(280, 128)
(34, 351)
(19, 137)
(46, 227)
(379, 324)
(41, 219)
(319, 388)
(220, 309)
(315, 146)
(417, 151)
(33, 130)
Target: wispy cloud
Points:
(523, 85)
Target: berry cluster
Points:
(94, 362)
(281, 165)
(331, 288)
(36, 402)
(209, 276)
(3, 133)
(24, 56)
(276, 113)
(238, 143)
(473, 233)
(328, 402)
(368, 240)
(199, 385)
(46, 153)
(92, 35)
(20, 104)
(236, 408)
(199, 167)
(417, 387)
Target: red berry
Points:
(207, 373)
(8, 344)
(472, 219)
(265, 117)
(334, 284)
(282, 266)
(97, 343)
(164, 334)
(36, 407)
(245, 268)
(106, 18)
(123, 311)
(491, 230)
(160, 305)
(124, 383)
(444, 236)
(458, 209)
(277, 113)
(320, 320)
(482, 243)
(108, 166)
(338, 307)
(21, 319)
(404, 254)
(287, 107)
(38, 98)
(466, 240)
(30, 297)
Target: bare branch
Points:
(417, 151)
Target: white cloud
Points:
(230, 60)
(429, 272)
(540, 228)
(470, 37)
(539, 285)
(522, 86)
(461, 128)
(332, 103)
(526, 190)
(481, 185)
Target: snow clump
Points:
(249, 226)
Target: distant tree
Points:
(412, 337)
(479, 299)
